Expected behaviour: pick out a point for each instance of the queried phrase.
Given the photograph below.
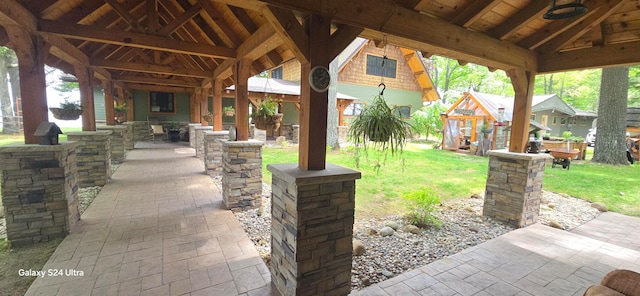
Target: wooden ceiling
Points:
(185, 44)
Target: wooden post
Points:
(31, 53)
(217, 105)
(523, 82)
(108, 102)
(203, 99)
(313, 125)
(241, 74)
(194, 109)
(85, 80)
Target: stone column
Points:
(199, 132)
(140, 131)
(242, 174)
(213, 151)
(192, 134)
(260, 135)
(94, 157)
(514, 187)
(128, 136)
(311, 229)
(39, 191)
(117, 139)
(296, 134)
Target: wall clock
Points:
(319, 78)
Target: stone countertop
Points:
(290, 172)
(39, 148)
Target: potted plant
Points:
(377, 126)
(266, 116)
(67, 110)
(174, 131)
(208, 117)
(120, 112)
(228, 111)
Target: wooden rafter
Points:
(474, 11)
(290, 30)
(149, 68)
(520, 19)
(126, 16)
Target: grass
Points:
(19, 138)
(454, 175)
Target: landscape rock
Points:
(555, 224)
(411, 229)
(475, 196)
(392, 224)
(387, 273)
(386, 231)
(474, 228)
(599, 206)
(551, 206)
(279, 140)
(371, 231)
(358, 247)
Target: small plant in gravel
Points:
(421, 207)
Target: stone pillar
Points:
(260, 135)
(311, 229)
(213, 151)
(514, 187)
(140, 131)
(296, 134)
(128, 136)
(199, 131)
(94, 157)
(116, 139)
(192, 134)
(39, 191)
(242, 174)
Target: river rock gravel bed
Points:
(463, 226)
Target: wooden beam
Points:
(242, 74)
(126, 16)
(474, 11)
(523, 84)
(218, 18)
(153, 20)
(151, 80)
(380, 17)
(341, 38)
(180, 20)
(312, 152)
(132, 39)
(551, 30)
(612, 55)
(162, 88)
(12, 13)
(519, 20)
(259, 43)
(85, 80)
(217, 104)
(150, 68)
(203, 95)
(107, 86)
(290, 30)
(194, 111)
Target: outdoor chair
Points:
(620, 282)
(157, 131)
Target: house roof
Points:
(584, 113)
(551, 102)
(279, 87)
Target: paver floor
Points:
(158, 228)
(536, 260)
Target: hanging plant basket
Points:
(229, 113)
(66, 114)
(268, 122)
(207, 118)
(121, 115)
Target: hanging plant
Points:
(67, 111)
(377, 126)
(266, 116)
(228, 111)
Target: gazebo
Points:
(199, 47)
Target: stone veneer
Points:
(39, 191)
(117, 139)
(213, 151)
(192, 134)
(242, 174)
(514, 187)
(93, 157)
(260, 135)
(311, 229)
(128, 136)
(199, 142)
(296, 134)
(141, 131)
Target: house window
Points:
(277, 73)
(583, 121)
(353, 110)
(403, 112)
(375, 67)
(533, 117)
(563, 121)
(162, 102)
(554, 120)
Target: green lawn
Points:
(455, 175)
(18, 138)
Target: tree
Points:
(332, 112)
(427, 121)
(9, 122)
(610, 147)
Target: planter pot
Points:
(174, 135)
(270, 122)
(121, 116)
(65, 114)
(229, 113)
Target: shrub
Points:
(421, 207)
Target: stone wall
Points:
(311, 229)
(199, 141)
(94, 157)
(213, 151)
(141, 131)
(260, 135)
(117, 138)
(39, 191)
(128, 136)
(242, 174)
(514, 187)
(192, 134)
